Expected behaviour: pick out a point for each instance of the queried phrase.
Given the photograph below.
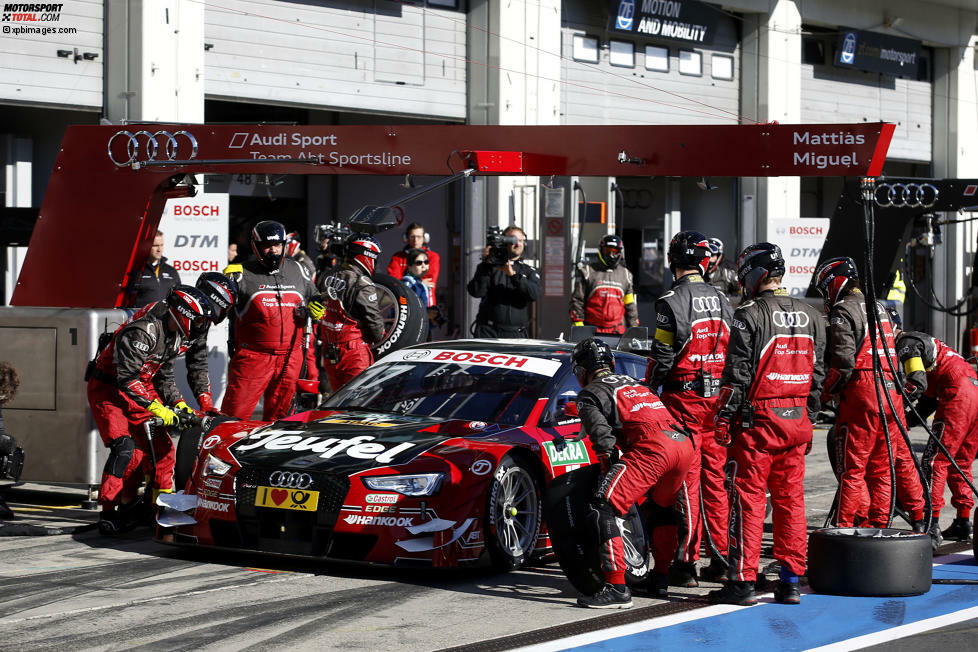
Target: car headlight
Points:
(216, 467)
(420, 484)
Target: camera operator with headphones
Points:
(415, 237)
(11, 455)
(506, 285)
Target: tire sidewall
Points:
(411, 322)
(188, 448)
(500, 557)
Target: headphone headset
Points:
(404, 236)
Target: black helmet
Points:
(265, 233)
(756, 264)
(362, 250)
(716, 249)
(833, 276)
(689, 250)
(221, 291)
(190, 309)
(590, 355)
(611, 250)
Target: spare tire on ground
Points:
(565, 508)
(405, 318)
(869, 562)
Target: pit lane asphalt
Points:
(87, 592)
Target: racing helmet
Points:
(362, 250)
(689, 250)
(590, 355)
(190, 309)
(611, 250)
(833, 276)
(268, 232)
(221, 291)
(716, 249)
(756, 264)
(292, 244)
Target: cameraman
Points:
(11, 457)
(506, 285)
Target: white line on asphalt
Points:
(902, 631)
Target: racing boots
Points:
(738, 593)
(786, 591)
(609, 597)
(715, 572)
(959, 530)
(683, 574)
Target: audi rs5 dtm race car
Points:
(435, 455)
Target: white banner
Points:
(801, 244)
(195, 240)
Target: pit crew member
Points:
(769, 396)
(603, 294)
(721, 273)
(275, 293)
(688, 354)
(642, 451)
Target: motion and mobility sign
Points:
(873, 52)
(686, 21)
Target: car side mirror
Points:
(570, 409)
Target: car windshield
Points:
(450, 390)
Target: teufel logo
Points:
(790, 319)
(144, 147)
(706, 304)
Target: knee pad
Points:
(601, 517)
(120, 454)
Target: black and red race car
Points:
(437, 454)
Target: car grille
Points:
(281, 530)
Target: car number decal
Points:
(297, 499)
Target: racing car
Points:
(436, 455)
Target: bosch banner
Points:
(801, 243)
(687, 21)
(195, 240)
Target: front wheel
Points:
(512, 515)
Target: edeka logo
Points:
(379, 520)
(573, 452)
(626, 15)
(361, 447)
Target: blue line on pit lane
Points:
(818, 620)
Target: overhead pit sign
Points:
(874, 52)
(687, 21)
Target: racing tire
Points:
(566, 510)
(405, 318)
(513, 515)
(187, 448)
(869, 562)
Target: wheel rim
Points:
(389, 308)
(517, 510)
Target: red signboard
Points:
(108, 186)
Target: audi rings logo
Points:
(790, 319)
(906, 195)
(290, 480)
(144, 146)
(706, 304)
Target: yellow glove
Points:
(316, 310)
(578, 323)
(233, 268)
(183, 407)
(165, 414)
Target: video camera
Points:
(335, 235)
(12, 464)
(497, 242)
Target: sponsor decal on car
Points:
(572, 452)
(482, 358)
(213, 483)
(211, 442)
(481, 467)
(361, 447)
(213, 505)
(379, 520)
(368, 420)
(381, 509)
(383, 499)
(294, 499)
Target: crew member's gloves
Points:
(316, 310)
(163, 413)
(607, 460)
(182, 406)
(234, 268)
(913, 390)
(721, 432)
(207, 404)
(577, 323)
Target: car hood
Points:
(349, 441)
